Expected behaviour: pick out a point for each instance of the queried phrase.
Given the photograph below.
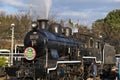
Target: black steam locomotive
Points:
(51, 53)
(55, 38)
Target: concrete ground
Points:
(98, 78)
(7, 78)
(4, 78)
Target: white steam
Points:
(41, 8)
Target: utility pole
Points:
(12, 43)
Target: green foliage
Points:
(109, 27)
(3, 61)
(113, 19)
(22, 24)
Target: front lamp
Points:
(34, 25)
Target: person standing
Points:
(93, 70)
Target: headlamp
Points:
(34, 25)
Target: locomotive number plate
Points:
(32, 37)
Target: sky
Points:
(83, 11)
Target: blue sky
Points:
(84, 11)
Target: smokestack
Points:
(42, 23)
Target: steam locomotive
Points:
(53, 53)
(57, 39)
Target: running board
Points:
(59, 62)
